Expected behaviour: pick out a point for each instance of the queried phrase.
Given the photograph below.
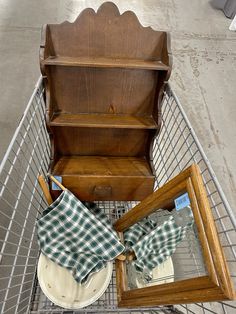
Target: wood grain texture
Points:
(193, 296)
(45, 189)
(104, 178)
(103, 121)
(101, 62)
(163, 197)
(205, 245)
(217, 284)
(169, 288)
(93, 90)
(208, 281)
(121, 281)
(107, 34)
(104, 63)
(107, 188)
(219, 259)
(106, 166)
(101, 141)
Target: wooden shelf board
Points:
(106, 63)
(103, 121)
(102, 166)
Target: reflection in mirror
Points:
(166, 248)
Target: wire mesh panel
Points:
(176, 148)
(21, 202)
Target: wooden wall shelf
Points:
(104, 77)
(106, 63)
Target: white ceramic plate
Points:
(161, 274)
(60, 287)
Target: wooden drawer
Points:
(105, 178)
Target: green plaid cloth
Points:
(137, 231)
(77, 238)
(153, 248)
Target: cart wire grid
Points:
(21, 203)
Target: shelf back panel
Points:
(101, 142)
(106, 33)
(96, 90)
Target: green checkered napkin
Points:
(137, 231)
(77, 238)
(153, 247)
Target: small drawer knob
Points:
(102, 190)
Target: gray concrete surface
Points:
(203, 77)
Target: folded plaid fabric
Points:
(77, 238)
(137, 231)
(156, 246)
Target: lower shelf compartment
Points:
(105, 178)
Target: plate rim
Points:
(84, 303)
(169, 259)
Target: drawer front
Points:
(91, 188)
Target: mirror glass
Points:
(164, 246)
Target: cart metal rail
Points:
(21, 203)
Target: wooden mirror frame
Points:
(215, 286)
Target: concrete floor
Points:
(203, 77)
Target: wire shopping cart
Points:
(21, 202)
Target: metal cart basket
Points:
(21, 202)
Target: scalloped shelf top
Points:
(107, 34)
